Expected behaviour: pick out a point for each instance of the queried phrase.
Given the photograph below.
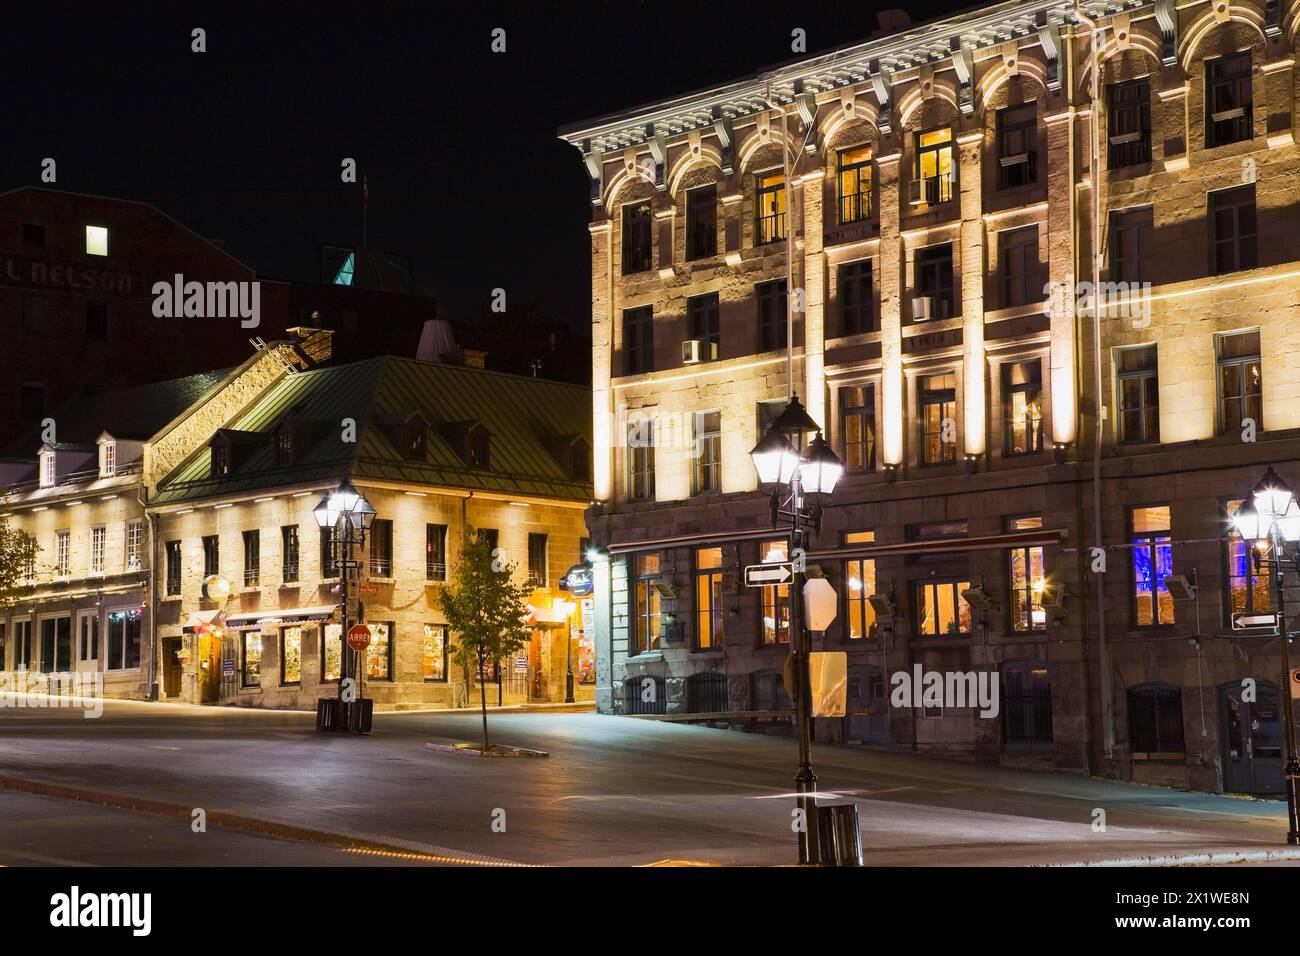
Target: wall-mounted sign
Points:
(216, 588)
(579, 580)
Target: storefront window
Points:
(379, 654)
(252, 673)
(776, 598)
(124, 639)
(331, 665)
(291, 655)
(435, 652)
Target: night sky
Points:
(243, 143)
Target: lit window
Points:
(61, 540)
(124, 639)
(1153, 561)
(1028, 580)
(107, 459)
(379, 658)
(855, 184)
(96, 240)
(48, 471)
(1240, 380)
(941, 610)
(708, 599)
(291, 655)
(1249, 588)
(776, 598)
(769, 208)
(97, 550)
(252, 671)
(936, 168)
(331, 652)
(1022, 399)
(859, 585)
(435, 652)
(646, 624)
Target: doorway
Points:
(1026, 705)
(1250, 739)
(866, 719)
(172, 668)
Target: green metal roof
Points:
(523, 416)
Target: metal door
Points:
(1251, 739)
(866, 719)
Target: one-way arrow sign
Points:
(762, 575)
(1242, 621)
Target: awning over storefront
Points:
(253, 620)
(201, 619)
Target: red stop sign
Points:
(358, 637)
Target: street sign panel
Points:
(820, 603)
(1242, 621)
(763, 575)
(828, 675)
(358, 637)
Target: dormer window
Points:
(283, 446)
(220, 460)
(48, 470)
(580, 460)
(480, 448)
(413, 439)
(107, 459)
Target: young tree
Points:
(17, 554)
(486, 609)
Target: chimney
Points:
(469, 358)
(316, 345)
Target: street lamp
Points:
(1270, 518)
(347, 512)
(795, 484)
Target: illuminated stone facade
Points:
(941, 313)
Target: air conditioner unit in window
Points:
(923, 308)
(692, 350)
(1019, 159)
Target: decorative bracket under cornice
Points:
(726, 139)
(964, 65)
(881, 82)
(806, 104)
(1049, 35)
(1273, 19)
(658, 144)
(1167, 18)
(595, 161)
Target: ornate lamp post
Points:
(795, 484)
(349, 514)
(1270, 518)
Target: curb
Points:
(247, 824)
(473, 750)
(1190, 858)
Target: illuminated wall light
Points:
(224, 505)
(267, 498)
(416, 494)
(603, 470)
(72, 504)
(41, 508)
(184, 511)
(301, 494)
(891, 402)
(107, 497)
(520, 504)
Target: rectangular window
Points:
(251, 673)
(1228, 100)
(489, 535)
(34, 235)
(857, 298)
(435, 552)
(134, 539)
(1131, 245)
(435, 652)
(934, 281)
(1139, 394)
(62, 541)
(707, 470)
(329, 562)
(936, 168)
(645, 625)
(537, 569)
(702, 324)
(775, 619)
(379, 655)
(1028, 576)
(637, 247)
(1249, 587)
(211, 555)
(97, 536)
(641, 460)
(381, 548)
(1232, 230)
(1153, 561)
(709, 612)
(173, 557)
(769, 208)
(941, 610)
(1241, 380)
(858, 428)
(1128, 123)
(90, 636)
(859, 585)
(771, 315)
(291, 655)
(937, 403)
(124, 639)
(34, 311)
(1018, 283)
(252, 558)
(1022, 400)
(702, 222)
(56, 645)
(22, 652)
(289, 553)
(855, 184)
(1017, 131)
(96, 240)
(638, 340)
(331, 653)
(97, 321)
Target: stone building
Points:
(234, 587)
(1023, 471)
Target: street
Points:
(613, 792)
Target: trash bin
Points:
(838, 836)
(327, 712)
(361, 715)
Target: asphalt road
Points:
(614, 791)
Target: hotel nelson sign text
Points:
(56, 275)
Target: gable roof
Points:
(521, 414)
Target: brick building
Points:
(995, 431)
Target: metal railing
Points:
(1013, 175)
(769, 229)
(644, 695)
(706, 693)
(1131, 150)
(932, 190)
(855, 207)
